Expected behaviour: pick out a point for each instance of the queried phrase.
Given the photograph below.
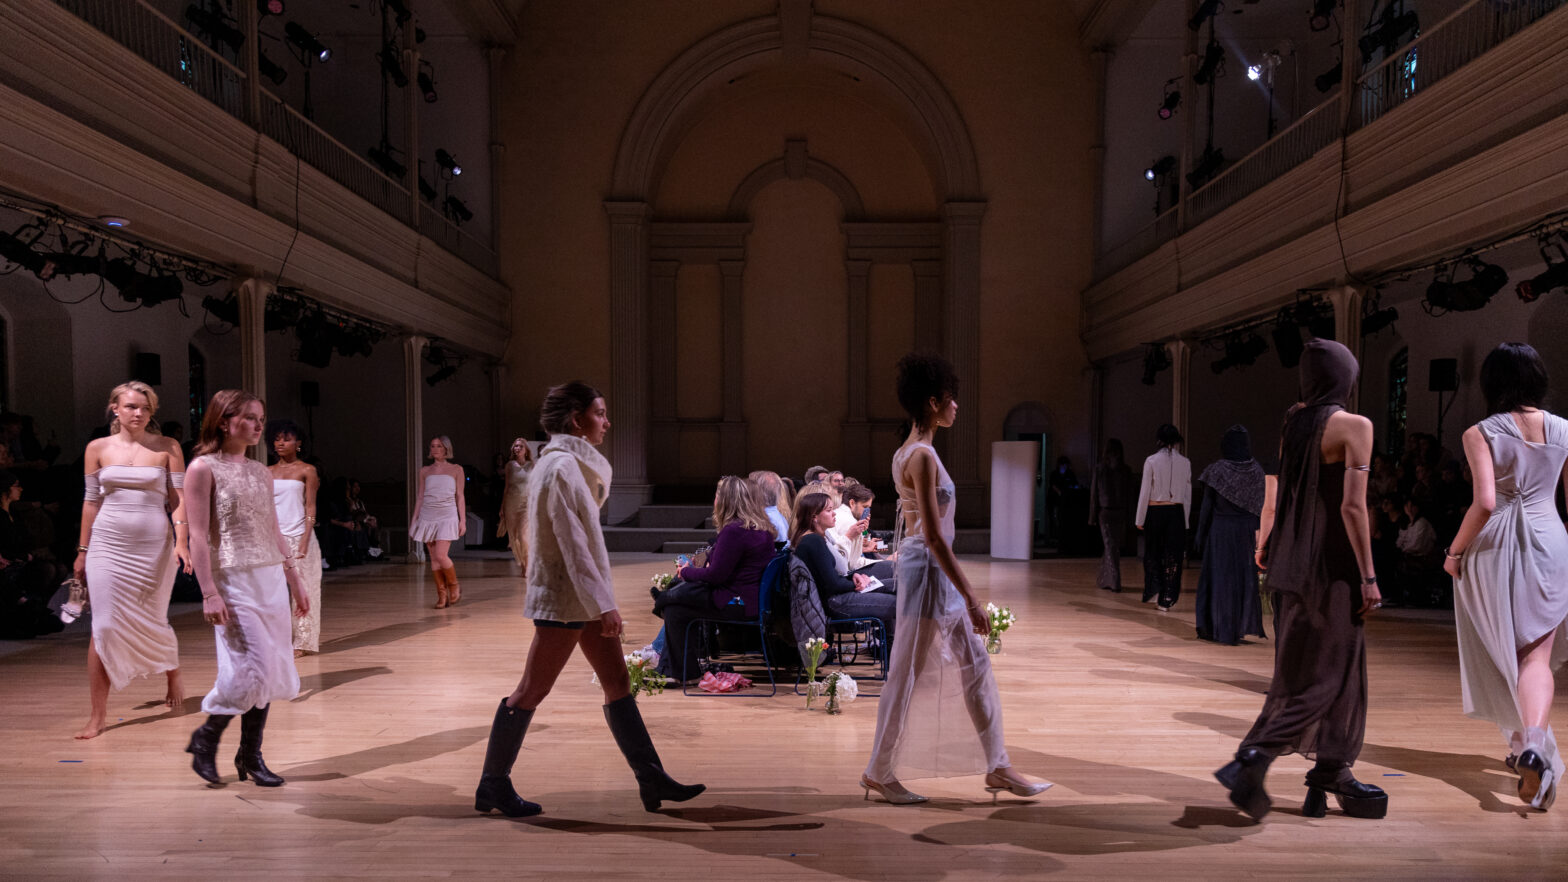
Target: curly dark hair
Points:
(923, 376)
(285, 429)
(564, 402)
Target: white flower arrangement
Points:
(663, 581)
(642, 667)
(814, 647)
(1001, 619)
(839, 688)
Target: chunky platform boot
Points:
(1357, 800)
(1243, 777)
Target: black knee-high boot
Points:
(204, 747)
(248, 761)
(495, 783)
(631, 736)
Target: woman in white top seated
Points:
(1164, 504)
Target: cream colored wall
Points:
(1024, 90)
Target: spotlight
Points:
(1213, 64)
(1555, 276)
(215, 26)
(447, 163)
(1240, 352)
(118, 223)
(391, 66)
(427, 87)
(1322, 14)
(316, 340)
(1486, 279)
(457, 211)
(1377, 320)
(1208, 165)
(70, 263)
(1155, 359)
(282, 314)
(1254, 72)
(381, 155)
(271, 69)
(21, 253)
(265, 8)
(306, 41)
(442, 374)
(1161, 167)
(1287, 341)
(136, 286)
(1170, 103)
(226, 310)
(1206, 10)
(1392, 26)
(1329, 79)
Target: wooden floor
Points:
(1116, 703)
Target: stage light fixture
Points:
(316, 339)
(1254, 72)
(1169, 104)
(1486, 279)
(1155, 360)
(427, 87)
(21, 253)
(441, 375)
(136, 286)
(1322, 14)
(282, 314)
(1555, 276)
(306, 41)
(1287, 341)
(1206, 10)
(447, 162)
(381, 155)
(215, 26)
(1393, 24)
(1321, 325)
(1328, 80)
(1208, 166)
(457, 211)
(1375, 321)
(72, 263)
(1240, 352)
(1159, 169)
(265, 8)
(226, 310)
(271, 69)
(1213, 64)
(391, 66)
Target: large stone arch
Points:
(795, 36)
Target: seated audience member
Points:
(836, 479)
(815, 474)
(1453, 499)
(26, 582)
(844, 597)
(852, 519)
(1420, 559)
(728, 587)
(1384, 480)
(778, 502)
(351, 529)
(1387, 519)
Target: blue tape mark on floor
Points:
(72, 761)
(1393, 774)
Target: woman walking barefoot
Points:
(572, 604)
(1510, 568)
(440, 518)
(514, 501)
(294, 485)
(247, 574)
(940, 673)
(127, 553)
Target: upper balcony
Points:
(159, 89)
(1442, 135)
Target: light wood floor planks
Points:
(1116, 703)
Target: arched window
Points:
(1398, 400)
(196, 378)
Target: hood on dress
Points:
(595, 468)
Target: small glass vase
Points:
(833, 707)
(993, 643)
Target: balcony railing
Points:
(1290, 148)
(1467, 33)
(183, 56)
(1159, 231)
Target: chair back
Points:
(771, 575)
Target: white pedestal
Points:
(1013, 468)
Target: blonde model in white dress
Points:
(514, 502)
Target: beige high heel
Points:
(892, 791)
(995, 784)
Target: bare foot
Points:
(175, 698)
(93, 729)
(299, 653)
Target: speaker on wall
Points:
(148, 367)
(309, 393)
(1443, 375)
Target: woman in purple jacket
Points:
(728, 586)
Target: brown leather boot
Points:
(441, 589)
(454, 590)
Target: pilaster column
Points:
(664, 434)
(413, 425)
(1180, 352)
(928, 304)
(961, 339)
(732, 431)
(252, 297)
(629, 490)
(856, 432)
(1348, 301)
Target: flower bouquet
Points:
(840, 689)
(663, 581)
(642, 667)
(1001, 619)
(814, 649)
